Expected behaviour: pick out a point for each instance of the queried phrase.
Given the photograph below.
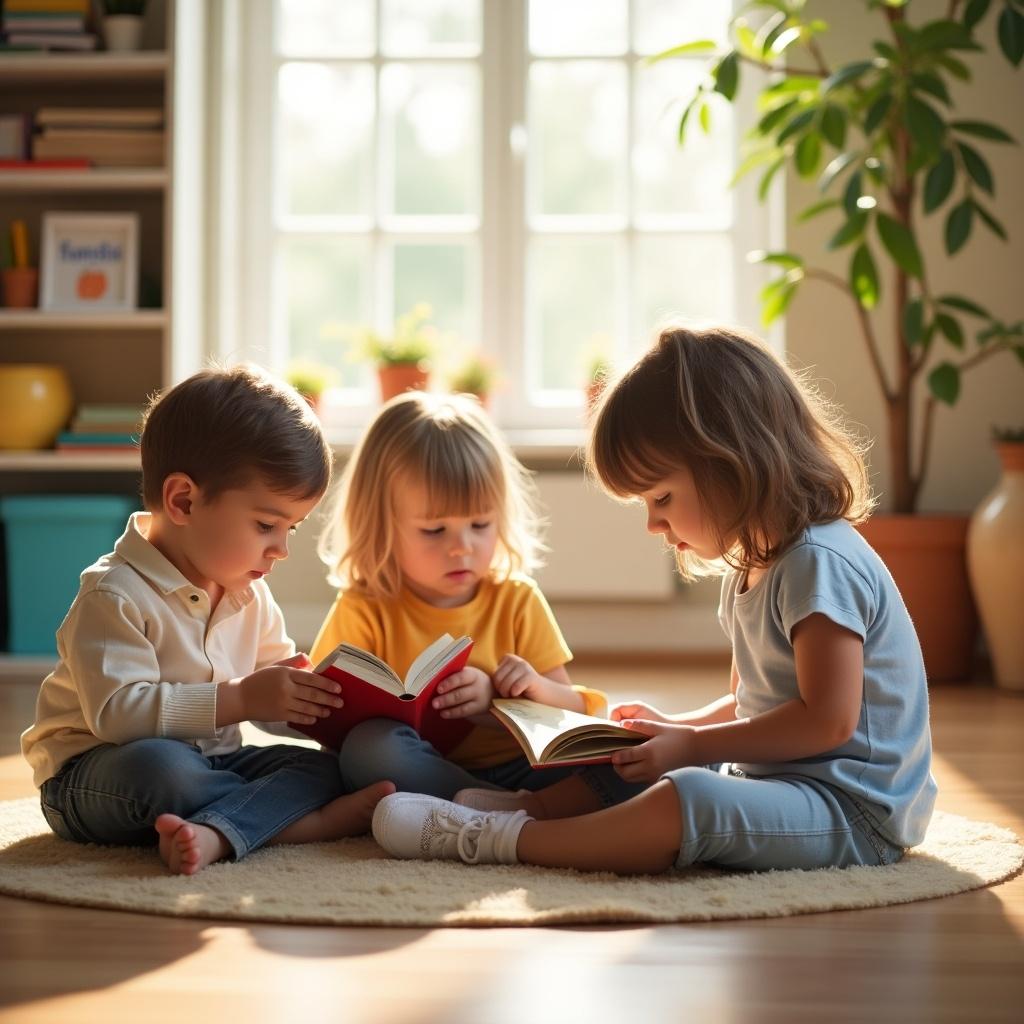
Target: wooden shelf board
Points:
(93, 179)
(31, 67)
(46, 320)
(68, 462)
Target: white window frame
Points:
(246, 285)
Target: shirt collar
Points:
(134, 547)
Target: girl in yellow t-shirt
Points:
(433, 530)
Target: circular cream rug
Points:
(352, 882)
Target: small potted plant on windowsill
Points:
(402, 358)
(122, 24)
(310, 379)
(477, 375)
(598, 372)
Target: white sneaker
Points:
(492, 799)
(419, 827)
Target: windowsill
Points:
(555, 448)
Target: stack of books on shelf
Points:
(105, 136)
(46, 25)
(102, 428)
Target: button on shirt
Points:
(140, 655)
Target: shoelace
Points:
(468, 841)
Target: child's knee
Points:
(374, 750)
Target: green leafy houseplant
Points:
(414, 340)
(880, 136)
(476, 375)
(310, 379)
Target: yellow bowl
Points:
(35, 403)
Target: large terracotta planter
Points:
(397, 378)
(995, 559)
(927, 558)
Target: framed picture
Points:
(89, 261)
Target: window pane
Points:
(574, 299)
(669, 178)
(689, 276)
(327, 138)
(326, 301)
(319, 28)
(430, 26)
(440, 275)
(578, 138)
(660, 24)
(569, 27)
(431, 131)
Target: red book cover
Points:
(367, 686)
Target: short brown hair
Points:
(769, 456)
(449, 445)
(225, 427)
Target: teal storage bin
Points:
(49, 540)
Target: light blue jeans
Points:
(773, 822)
(113, 793)
(381, 748)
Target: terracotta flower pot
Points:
(927, 559)
(995, 558)
(397, 378)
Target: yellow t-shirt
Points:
(505, 617)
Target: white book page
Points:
(364, 665)
(542, 725)
(429, 662)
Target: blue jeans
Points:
(381, 748)
(773, 822)
(113, 793)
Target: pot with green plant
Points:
(599, 370)
(879, 135)
(122, 24)
(476, 375)
(403, 357)
(310, 379)
(995, 558)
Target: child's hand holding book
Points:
(285, 691)
(464, 694)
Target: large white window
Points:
(512, 163)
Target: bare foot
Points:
(348, 815)
(502, 800)
(186, 847)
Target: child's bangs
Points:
(627, 451)
(459, 475)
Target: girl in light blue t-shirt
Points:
(819, 755)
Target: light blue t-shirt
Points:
(886, 764)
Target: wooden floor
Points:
(959, 959)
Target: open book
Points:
(372, 689)
(553, 736)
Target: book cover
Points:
(371, 689)
(555, 736)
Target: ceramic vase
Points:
(35, 403)
(122, 33)
(995, 558)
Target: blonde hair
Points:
(769, 456)
(448, 444)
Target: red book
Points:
(68, 164)
(372, 689)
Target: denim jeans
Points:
(772, 822)
(381, 748)
(113, 793)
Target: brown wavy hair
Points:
(448, 444)
(769, 456)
